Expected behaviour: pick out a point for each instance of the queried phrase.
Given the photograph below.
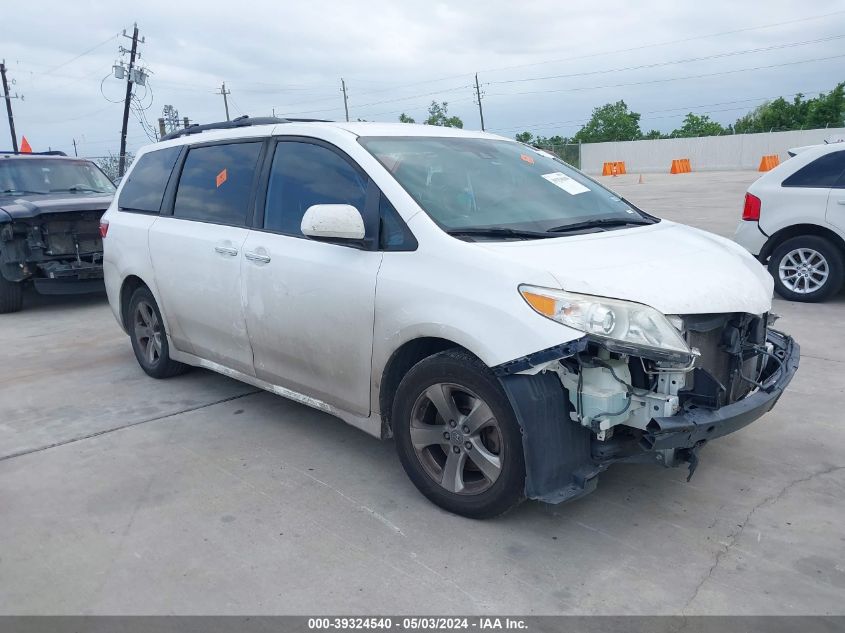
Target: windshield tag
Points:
(569, 185)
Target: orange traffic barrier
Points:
(680, 166)
(770, 161)
(615, 168)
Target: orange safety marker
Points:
(768, 162)
(680, 166)
(25, 147)
(613, 168)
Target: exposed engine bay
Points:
(61, 246)
(619, 397)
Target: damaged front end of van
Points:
(639, 386)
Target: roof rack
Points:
(241, 121)
(53, 152)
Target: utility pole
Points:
(74, 148)
(9, 98)
(121, 164)
(225, 92)
(478, 97)
(345, 102)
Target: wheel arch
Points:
(130, 284)
(400, 362)
(797, 230)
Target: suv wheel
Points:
(11, 295)
(149, 340)
(457, 436)
(807, 268)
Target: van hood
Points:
(671, 267)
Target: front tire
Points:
(149, 339)
(807, 268)
(457, 436)
(11, 295)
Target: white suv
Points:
(794, 220)
(515, 326)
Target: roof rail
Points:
(241, 121)
(53, 152)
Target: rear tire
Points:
(807, 268)
(11, 296)
(457, 436)
(148, 336)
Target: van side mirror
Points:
(333, 221)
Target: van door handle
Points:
(231, 251)
(258, 258)
(840, 201)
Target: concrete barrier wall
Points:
(706, 153)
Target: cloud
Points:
(398, 56)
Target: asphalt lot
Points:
(120, 494)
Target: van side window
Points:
(144, 187)
(394, 234)
(217, 182)
(823, 172)
(305, 174)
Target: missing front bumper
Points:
(697, 425)
(563, 458)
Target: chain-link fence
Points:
(567, 152)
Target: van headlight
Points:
(621, 326)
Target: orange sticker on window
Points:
(527, 158)
(221, 177)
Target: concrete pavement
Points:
(120, 494)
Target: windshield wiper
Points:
(496, 231)
(81, 189)
(17, 191)
(599, 223)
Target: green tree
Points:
(826, 110)
(611, 122)
(404, 118)
(438, 114)
(653, 134)
(697, 125)
(524, 137)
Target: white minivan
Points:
(513, 325)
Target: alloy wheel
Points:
(803, 270)
(148, 332)
(457, 439)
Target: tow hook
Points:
(690, 455)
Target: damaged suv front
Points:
(50, 210)
(650, 387)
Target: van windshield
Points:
(501, 188)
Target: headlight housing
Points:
(621, 326)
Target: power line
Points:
(672, 62)
(616, 51)
(645, 116)
(668, 42)
(670, 79)
(82, 54)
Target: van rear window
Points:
(144, 188)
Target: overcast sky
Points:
(397, 56)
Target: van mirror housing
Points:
(333, 221)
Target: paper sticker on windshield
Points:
(527, 158)
(221, 177)
(569, 185)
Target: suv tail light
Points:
(104, 228)
(751, 210)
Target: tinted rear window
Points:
(216, 183)
(822, 172)
(146, 182)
